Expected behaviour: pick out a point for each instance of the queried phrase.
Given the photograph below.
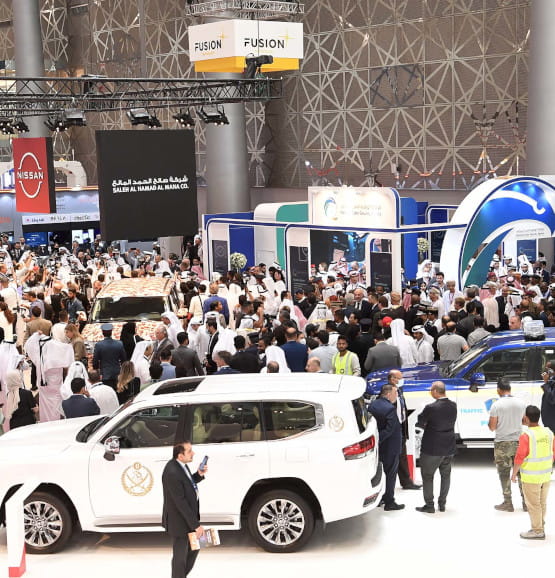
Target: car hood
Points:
(413, 377)
(145, 329)
(49, 437)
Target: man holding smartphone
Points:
(180, 514)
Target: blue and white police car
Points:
(471, 380)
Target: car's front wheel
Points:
(47, 523)
(280, 521)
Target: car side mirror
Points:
(111, 448)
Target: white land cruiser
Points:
(284, 452)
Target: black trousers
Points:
(183, 557)
(390, 465)
(403, 471)
(113, 383)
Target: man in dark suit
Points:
(395, 377)
(162, 342)
(438, 446)
(382, 355)
(108, 356)
(359, 304)
(222, 359)
(79, 404)
(389, 428)
(502, 301)
(243, 361)
(212, 329)
(296, 353)
(180, 513)
(185, 359)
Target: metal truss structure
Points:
(248, 9)
(419, 94)
(38, 96)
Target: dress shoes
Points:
(426, 509)
(505, 507)
(393, 506)
(412, 487)
(441, 507)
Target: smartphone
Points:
(203, 463)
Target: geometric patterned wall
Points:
(415, 93)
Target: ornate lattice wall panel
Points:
(435, 87)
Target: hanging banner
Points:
(222, 46)
(33, 162)
(146, 183)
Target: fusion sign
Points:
(223, 46)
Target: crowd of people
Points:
(251, 323)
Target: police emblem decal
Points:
(137, 480)
(336, 423)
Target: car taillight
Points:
(360, 449)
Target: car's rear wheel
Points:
(47, 523)
(280, 521)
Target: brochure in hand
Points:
(211, 537)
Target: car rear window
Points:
(283, 419)
(361, 414)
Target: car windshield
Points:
(463, 361)
(86, 432)
(128, 309)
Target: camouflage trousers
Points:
(504, 457)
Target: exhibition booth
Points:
(378, 230)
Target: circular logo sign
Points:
(330, 208)
(137, 480)
(30, 175)
(336, 423)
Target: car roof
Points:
(516, 337)
(264, 385)
(138, 287)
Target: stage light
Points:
(74, 117)
(6, 126)
(185, 119)
(142, 116)
(56, 123)
(215, 115)
(20, 125)
(254, 63)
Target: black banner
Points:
(298, 268)
(146, 183)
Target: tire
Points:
(280, 521)
(47, 523)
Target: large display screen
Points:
(147, 183)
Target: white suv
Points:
(284, 452)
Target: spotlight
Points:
(254, 63)
(142, 116)
(215, 115)
(6, 126)
(20, 125)
(74, 117)
(56, 123)
(185, 119)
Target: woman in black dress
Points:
(129, 338)
(128, 385)
(21, 406)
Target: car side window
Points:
(149, 428)
(510, 363)
(287, 418)
(215, 423)
(548, 356)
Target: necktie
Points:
(187, 471)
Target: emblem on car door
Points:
(137, 480)
(336, 423)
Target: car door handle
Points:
(245, 456)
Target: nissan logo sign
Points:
(30, 175)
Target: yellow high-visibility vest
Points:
(343, 365)
(538, 465)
